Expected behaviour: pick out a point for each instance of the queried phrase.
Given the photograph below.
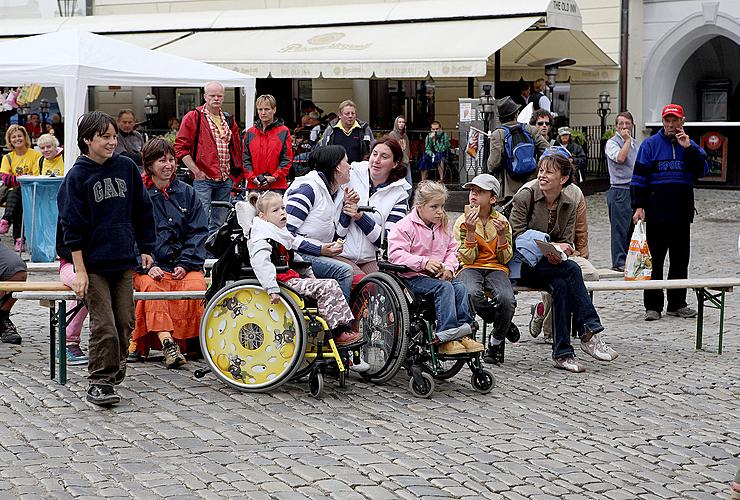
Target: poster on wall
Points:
(715, 144)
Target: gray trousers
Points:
(110, 302)
(499, 310)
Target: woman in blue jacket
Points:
(179, 255)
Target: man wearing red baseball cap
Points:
(662, 192)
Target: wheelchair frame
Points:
(415, 350)
(318, 355)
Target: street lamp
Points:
(486, 108)
(603, 111)
(151, 106)
(552, 67)
(44, 108)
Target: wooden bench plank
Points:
(53, 267)
(720, 284)
(67, 294)
(29, 286)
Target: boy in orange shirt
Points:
(485, 249)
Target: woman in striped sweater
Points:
(311, 203)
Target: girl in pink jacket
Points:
(423, 242)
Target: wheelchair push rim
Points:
(382, 316)
(250, 343)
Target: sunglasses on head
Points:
(557, 151)
(543, 123)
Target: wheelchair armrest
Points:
(300, 265)
(396, 268)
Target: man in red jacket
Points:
(268, 149)
(208, 144)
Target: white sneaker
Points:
(360, 367)
(597, 348)
(569, 363)
(538, 317)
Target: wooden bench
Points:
(54, 294)
(710, 292)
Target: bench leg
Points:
(721, 321)
(62, 347)
(699, 317)
(52, 339)
(715, 301)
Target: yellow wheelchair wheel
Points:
(250, 343)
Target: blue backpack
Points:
(519, 158)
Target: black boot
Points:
(495, 354)
(8, 333)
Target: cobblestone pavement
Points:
(662, 421)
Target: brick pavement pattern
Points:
(660, 422)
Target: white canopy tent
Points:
(74, 60)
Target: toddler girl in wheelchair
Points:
(271, 243)
(424, 242)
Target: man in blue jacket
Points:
(662, 193)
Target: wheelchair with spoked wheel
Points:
(398, 330)
(255, 345)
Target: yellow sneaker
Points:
(471, 345)
(452, 347)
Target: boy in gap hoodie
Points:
(105, 214)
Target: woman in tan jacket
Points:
(546, 207)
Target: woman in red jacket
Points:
(268, 149)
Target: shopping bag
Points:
(639, 263)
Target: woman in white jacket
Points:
(380, 183)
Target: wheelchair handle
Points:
(379, 253)
(222, 204)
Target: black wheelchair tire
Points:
(482, 381)
(300, 338)
(400, 346)
(428, 386)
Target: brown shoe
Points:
(452, 347)
(173, 358)
(471, 345)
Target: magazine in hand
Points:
(550, 249)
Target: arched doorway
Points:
(705, 85)
(670, 54)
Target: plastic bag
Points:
(639, 263)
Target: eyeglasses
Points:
(543, 123)
(557, 151)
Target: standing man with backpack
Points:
(208, 143)
(515, 148)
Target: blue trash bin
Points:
(40, 214)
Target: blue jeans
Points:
(620, 217)
(498, 311)
(207, 190)
(450, 300)
(326, 267)
(569, 297)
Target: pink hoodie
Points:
(412, 243)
